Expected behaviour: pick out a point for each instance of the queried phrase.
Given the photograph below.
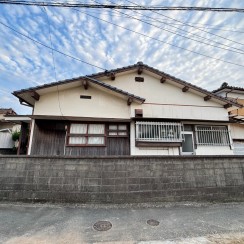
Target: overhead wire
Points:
(144, 35)
(203, 26)
(240, 51)
(153, 38)
(55, 50)
(189, 25)
(115, 6)
(53, 61)
(192, 34)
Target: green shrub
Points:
(15, 135)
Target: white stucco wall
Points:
(101, 105)
(167, 100)
(237, 131)
(162, 101)
(213, 150)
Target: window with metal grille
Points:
(158, 131)
(212, 135)
(86, 135)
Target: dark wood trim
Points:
(206, 98)
(85, 84)
(79, 119)
(116, 136)
(129, 101)
(86, 145)
(139, 70)
(185, 88)
(238, 140)
(157, 144)
(112, 76)
(163, 80)
(35, 95)
(84, 135)
(227, 105)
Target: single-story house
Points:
(236, 115)
(133, 110)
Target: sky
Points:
(188, 45)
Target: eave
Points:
(140, 68)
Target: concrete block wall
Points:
(121, 179)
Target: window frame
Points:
(160, 127)
(211, 135)
(86, 135)
(117, 130)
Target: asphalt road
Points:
(178, 223)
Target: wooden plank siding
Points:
(23, 141)
(118, 146)
(49, 138)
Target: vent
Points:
(85, 97)
(138, 113)
(139, 79)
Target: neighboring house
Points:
(236, 115)
(6, 129)
(134, 110)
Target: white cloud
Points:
(24, 63)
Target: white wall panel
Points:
(213, 150)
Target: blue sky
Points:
(87, 35)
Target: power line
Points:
(240, 51)
(202, 26)
(53, 60)
(144, 35)
(155, 39)
(190, 25)
(205, 26)
(55, 50)
(115, 6)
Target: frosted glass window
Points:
(122, 127)
(77, 140)
(96, 129)
(96, 140)
(117, 130)
(112, 127)
(78, 128)
(85, 134)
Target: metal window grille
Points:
(212, 135)
(158, 131)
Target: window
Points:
(212, 135)
(118, 130)
(158, 131)
(86, 134)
